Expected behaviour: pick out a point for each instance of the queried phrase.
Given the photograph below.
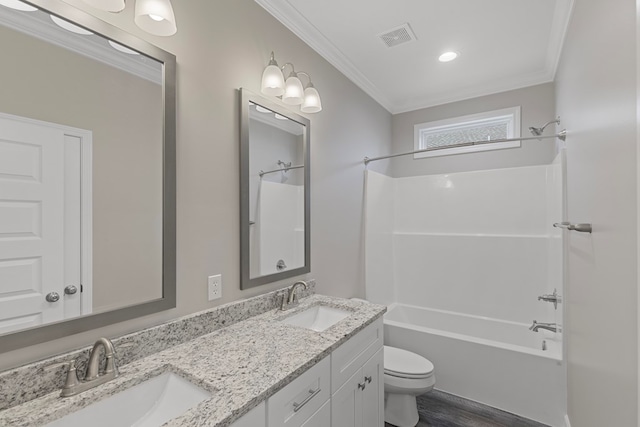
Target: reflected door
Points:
(31, 224)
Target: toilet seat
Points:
(405, 364)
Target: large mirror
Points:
(274, 199)
(87, 174)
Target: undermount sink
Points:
(317, 318)
(151, 403)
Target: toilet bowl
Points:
(406, 375)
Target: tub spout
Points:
(548, 326)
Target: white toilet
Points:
(406, 375)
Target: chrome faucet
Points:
(289, 300)
(92, 377)
(548, 326)
(554, 298)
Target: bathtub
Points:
(497, 363)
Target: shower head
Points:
(538, 131)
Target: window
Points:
(498, 124)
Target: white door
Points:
(31, 224)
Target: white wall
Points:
(220, 46)
(596, 89)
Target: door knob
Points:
(52, 297)
(70, 290)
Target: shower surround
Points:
(474, 249)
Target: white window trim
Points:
(513, 131)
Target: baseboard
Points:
(567, 423)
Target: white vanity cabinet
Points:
(345, 389)
(357, 383)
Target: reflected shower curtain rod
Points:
(562, 136)
(285, 169)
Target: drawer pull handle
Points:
(362, 385)
(298, 406)
(368, 379)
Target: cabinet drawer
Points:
(322, 417)
(299, 400)
(351, 355)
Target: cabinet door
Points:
(346, 403)
(373, 394)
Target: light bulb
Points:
(312, 103)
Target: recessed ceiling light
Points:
(448, 56)
(69, 26)
(18, 5)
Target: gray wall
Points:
(221, 46)
(596, 96)
(537, 107)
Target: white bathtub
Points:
(498, 363)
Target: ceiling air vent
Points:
(397, 35)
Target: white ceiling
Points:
(503, 44)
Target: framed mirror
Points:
(87, 174)
(274, 192)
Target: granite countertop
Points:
(241, 365)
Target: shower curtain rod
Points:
(285, 169)
(562, 136)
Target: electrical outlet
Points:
(215, 286)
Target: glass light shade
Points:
(107, 5)
(312, 103)
(272, 81)
(156, 17)
(293, 91)
(18, 5)
(69, 26)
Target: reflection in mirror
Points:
(275, 195)
(86, 227)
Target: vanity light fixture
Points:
(156, 17)
(291, 90)
(153, 16)
(18, 5)
(123, 49)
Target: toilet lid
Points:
(403, 363)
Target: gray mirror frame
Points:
(246, 282)
(65, 328)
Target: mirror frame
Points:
(48, 332)
(246, 281)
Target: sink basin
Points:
(317, 318)
(151, 403)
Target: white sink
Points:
(317, 318)
(151, 403)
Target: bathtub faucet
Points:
(548, 326)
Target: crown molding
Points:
(289, 16)
(301, 27)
